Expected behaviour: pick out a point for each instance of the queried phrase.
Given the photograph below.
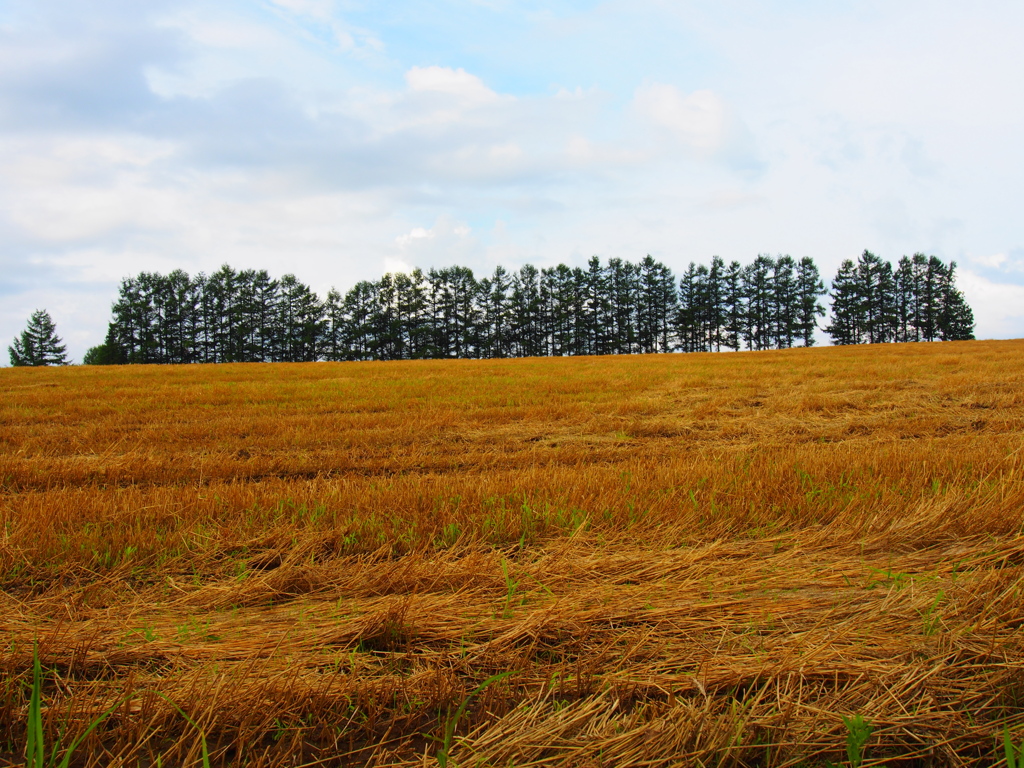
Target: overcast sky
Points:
(340, 140)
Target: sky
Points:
(338, 140)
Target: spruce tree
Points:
(39, 343)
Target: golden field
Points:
(672, 559)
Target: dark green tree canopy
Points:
(918, 301)
(618, 307)
(39, 343)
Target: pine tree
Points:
(623, 286)
(715, 299)
(564, 303)
(550, 312)
(757, 289)
(357, 309)
(39, 343)
(222, 314)
(668, 300)
(734, 306)
(494, 315)
(905, 301)
(687, 316)
(178, 307)
(703, 327)
(301, 315)
(956, 320)
(580, 299)
(876, 293)
(785, 303)
(456, 291)
(107, 353)
(384, 322)
(810, 289)
(126, 320)
(245, 331)
(650, 305)
(929, 295)
(334, 331)
(440, 311)
(598, 309)
(845, 325)
(410, 312)
(265, 296)
(619, 308)
(527, 312)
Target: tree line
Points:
(616, 307)
(873, 303)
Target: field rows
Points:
(676, 559)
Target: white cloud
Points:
(731, 199)
(508, 151)
(299, 48)
(327, 15)
(394, 265)
(1004, 262)
(993, 261)
(318, 9)
(917, 160)
(66, 190)
(698, 119)
(419, 233)
(449, 241)
(451, 82)
(998, 307)
(580, 149)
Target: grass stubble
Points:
(648, 560)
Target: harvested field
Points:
(667, 560)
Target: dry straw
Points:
(742, 559)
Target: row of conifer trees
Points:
(873, 303)
(614, 308)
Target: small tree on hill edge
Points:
(39, 343)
